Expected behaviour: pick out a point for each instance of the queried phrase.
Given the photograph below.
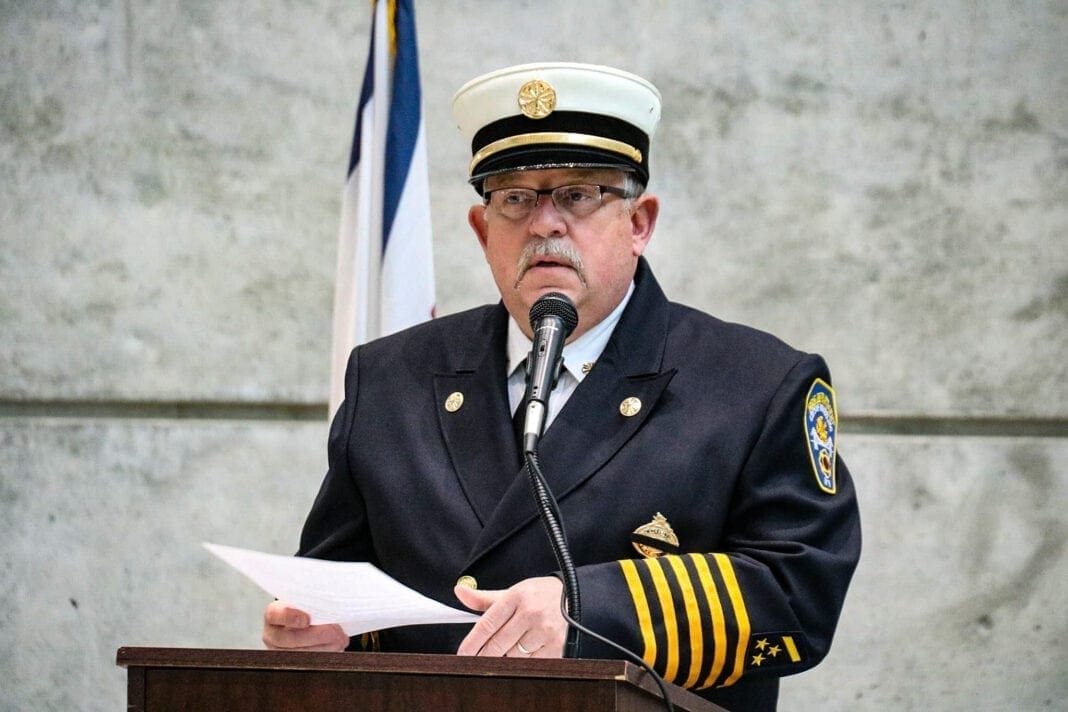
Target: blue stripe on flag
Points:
(403, 115)
(365, 96)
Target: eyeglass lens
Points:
(575, 200)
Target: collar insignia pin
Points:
(630, 406)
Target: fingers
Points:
(280, 614)
(523, 651)
(523, 621)
(476, 600)
(498, 609)
(334, 642)
(525, 628)
(287, 628)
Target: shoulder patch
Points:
(821, 430)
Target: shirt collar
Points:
(582, 351)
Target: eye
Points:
(579, 194)
(512, 198)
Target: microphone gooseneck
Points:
(552, 318)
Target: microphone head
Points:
(554, 304)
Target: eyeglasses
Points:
(576, 201)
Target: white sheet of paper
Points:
(355, 594)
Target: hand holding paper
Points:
(356, 595)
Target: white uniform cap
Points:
(557, 114)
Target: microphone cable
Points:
(549, 511)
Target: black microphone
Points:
(552, 317)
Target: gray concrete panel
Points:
(956, 604)
(886, 185)
(102, 524)
(172, 175)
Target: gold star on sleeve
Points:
(773, 650)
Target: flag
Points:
(385, 271)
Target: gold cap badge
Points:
(454, 401)
(655, 538)
(630, 406)
(537, 99)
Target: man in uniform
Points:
(713, 525)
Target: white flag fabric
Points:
(385, 270)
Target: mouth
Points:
(545, 266)
(550, 262)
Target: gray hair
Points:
(632, 185)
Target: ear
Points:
(643, 216)
(476, 218)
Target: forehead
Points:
(552, 177)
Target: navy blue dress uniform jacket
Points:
(719, 447)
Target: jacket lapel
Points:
(478, 434)
(590, 428)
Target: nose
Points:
(547, 220)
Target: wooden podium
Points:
(176, 679)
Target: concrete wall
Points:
(885, 183)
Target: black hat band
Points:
(557, 138)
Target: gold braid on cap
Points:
(575, 139)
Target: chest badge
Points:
(655, 538)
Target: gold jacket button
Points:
(467, 582)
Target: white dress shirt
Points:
(579, 357)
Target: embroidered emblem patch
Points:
(821, 429)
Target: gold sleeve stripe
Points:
(671, 624)
(641, 605)
(693, 616)
(726, 570)
(719, 626)
(791, 648)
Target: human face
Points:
(590, 259)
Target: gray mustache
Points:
(558, 249)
